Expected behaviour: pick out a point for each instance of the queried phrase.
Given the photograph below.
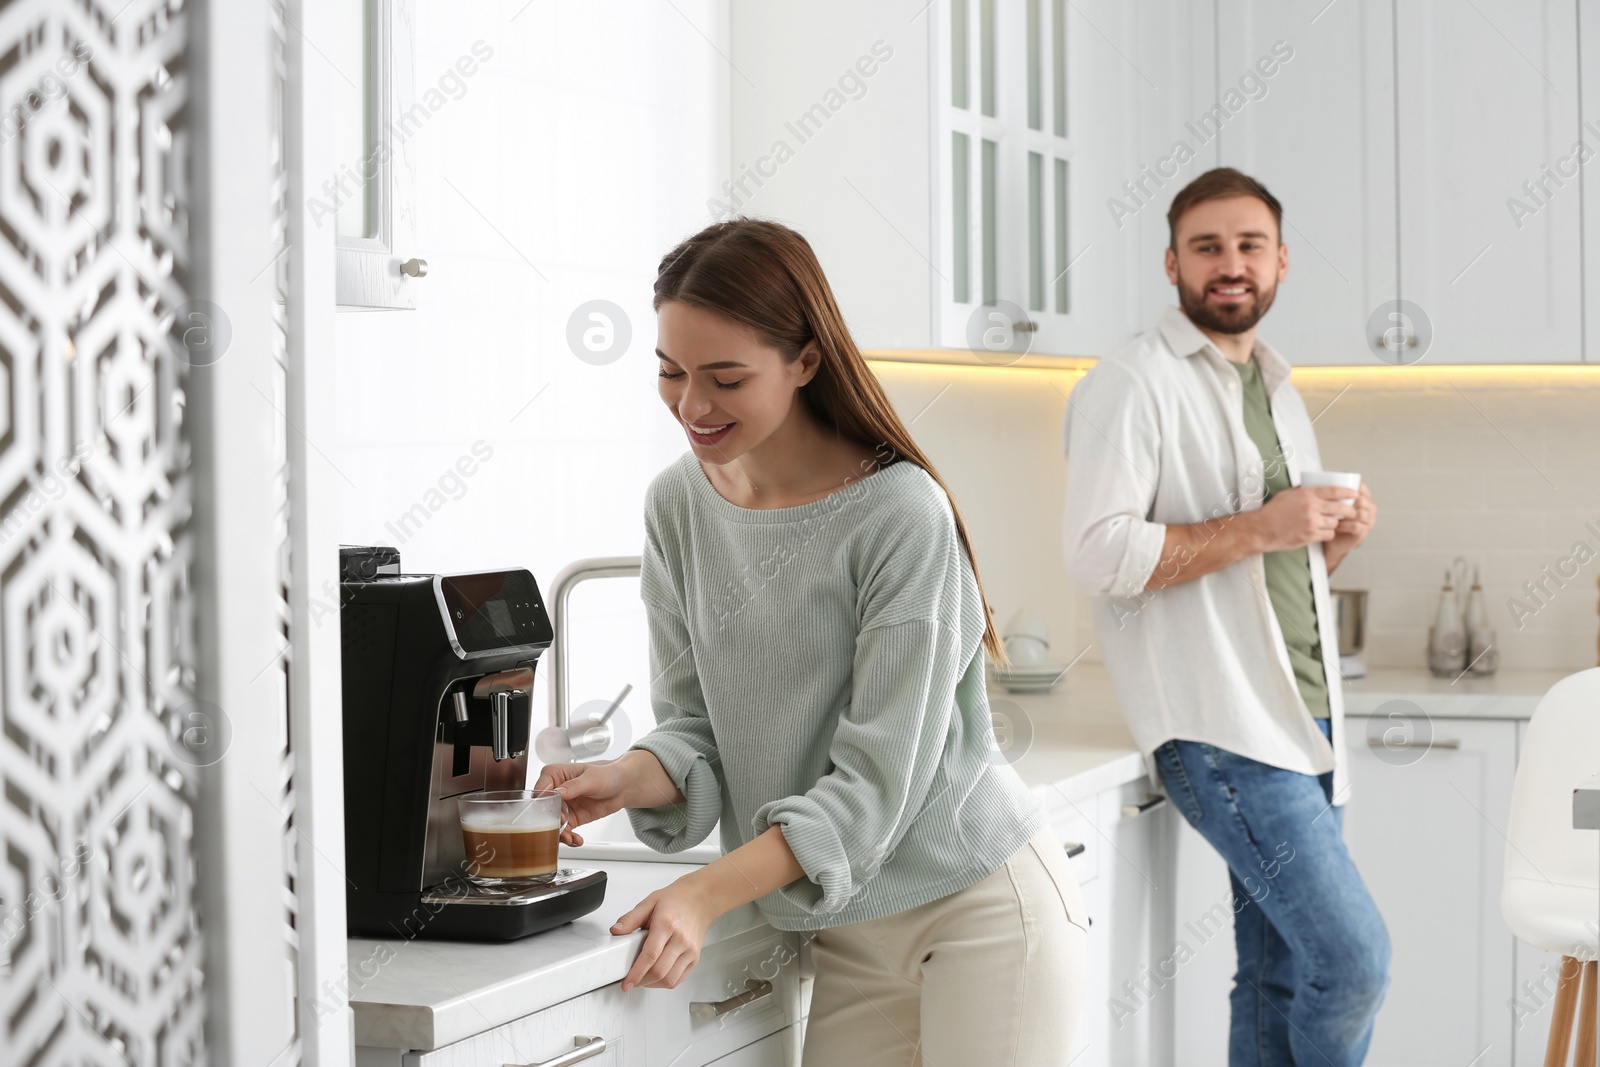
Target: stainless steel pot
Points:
(1350, 619)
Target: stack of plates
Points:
(1030, 677)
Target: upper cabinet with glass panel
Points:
(370, 195)
(950, 163)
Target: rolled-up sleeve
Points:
(1111, 439)
(683, 739)
(889, 743)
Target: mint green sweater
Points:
(819, 668)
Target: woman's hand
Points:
(589, 791)
(677, 918)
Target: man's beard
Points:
(1234, 318)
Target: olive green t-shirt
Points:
(1288, 572)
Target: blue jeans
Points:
(1313, 951)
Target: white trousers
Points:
(990, 975)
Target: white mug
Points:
(1025, 650)
(1030, 623)
(1340, 478)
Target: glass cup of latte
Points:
(511, 835)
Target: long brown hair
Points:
(765, 276)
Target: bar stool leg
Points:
(1586, 1017)
(1566, 1006)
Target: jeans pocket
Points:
(1176, 782)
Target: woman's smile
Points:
(708, 433)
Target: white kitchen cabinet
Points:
(658, 1027)
(947, 162)
(608, 1013)
(1200, 990)
(675, 1035)
(1035, 114)
(1127, 888)
(1182, 75)
(1589, 180)
(1137, 940)
(781, 1049)
(1409, 142)
(1338, 186)
(1428, 837)
(1488, 99)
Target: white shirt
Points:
(1155, 435)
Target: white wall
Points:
(570, 162)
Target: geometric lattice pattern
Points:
(100, 951)
(283, 666)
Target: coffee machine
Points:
(438, 674)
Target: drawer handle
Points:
(1133, 811)
(1074, 848)
(587, 1049)
(755, 989)
(1441, 742)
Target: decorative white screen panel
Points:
(100, 737)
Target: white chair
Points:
(1551, 893)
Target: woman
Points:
(815, 630)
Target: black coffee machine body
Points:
(438, 675)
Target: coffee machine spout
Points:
(500, 724)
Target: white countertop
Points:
(1506, 694)
(1080, 745)
(1070, 741)
(427, 994)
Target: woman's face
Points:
(719, 376)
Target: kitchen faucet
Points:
(593, 736)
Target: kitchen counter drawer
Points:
(607, 1012)
(775, 1050)
(650, 1027)
(678, 1034)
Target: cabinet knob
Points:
(1074, 848)
(415, 268)
(587, 1048)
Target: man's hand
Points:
(1353, 530)
(1297, 516)
(1293, 518)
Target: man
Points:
(1209, 564)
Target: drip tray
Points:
(567, 880)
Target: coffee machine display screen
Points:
(494, 610)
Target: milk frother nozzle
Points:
(499, 688)
(500, 725)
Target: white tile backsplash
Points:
(1502, 467)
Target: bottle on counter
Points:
(1447, 637)
(1483, 654)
